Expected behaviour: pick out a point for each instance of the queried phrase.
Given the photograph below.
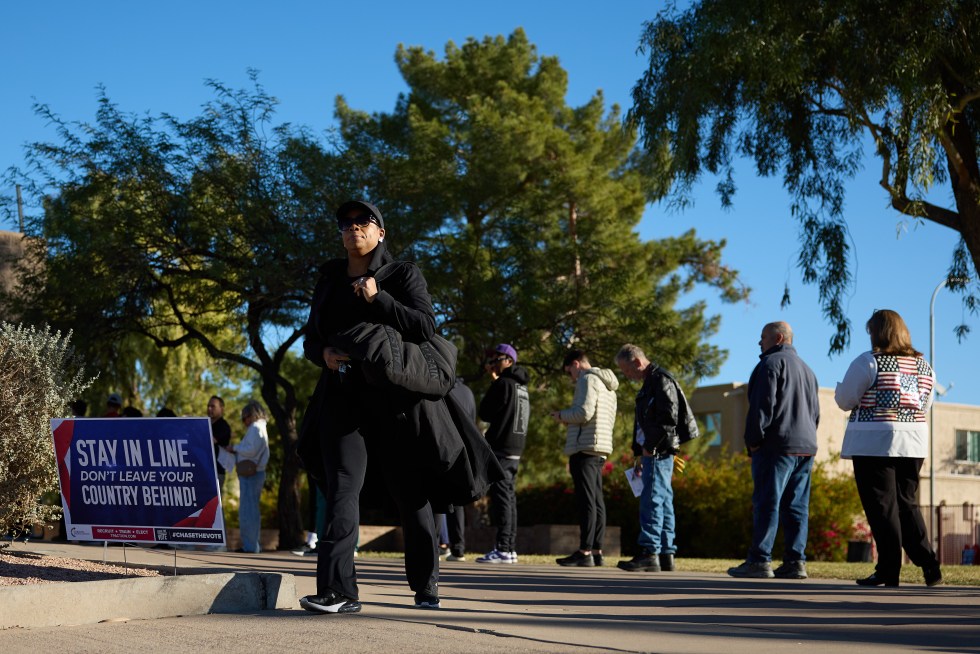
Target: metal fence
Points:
(957, 528)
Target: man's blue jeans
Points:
(249, 518)
(657, 506)
(781, 494)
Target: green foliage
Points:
(202, 237)
(39, 376)
(209, 231)
(149, 378)
(713, 506)
(797, 88)
(836, 515)
(522, 210)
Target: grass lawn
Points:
(956, 575)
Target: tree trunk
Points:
(291, 531)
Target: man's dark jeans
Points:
(503, 506)
(781, 495)
(586, 472)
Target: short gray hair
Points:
(630, 352)
(253, 409)
(782, 328)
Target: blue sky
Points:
(154, 57)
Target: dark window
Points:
(968, 446)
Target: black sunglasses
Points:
(494, 360)
(345, 224)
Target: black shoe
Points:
(876, 580)
(577, 559)
(933, 575)
(645, 562)
(426, 601)
(597, 559)
(305, 550)
(332, 603)
(667, 562)
(791, 570)
(752, 570)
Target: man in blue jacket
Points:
(781, 437)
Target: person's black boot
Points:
(643, 562)
(667, 562)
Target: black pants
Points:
(456, 527)
(345, 459)
(586, 472)
(888, 486)
(503, 506)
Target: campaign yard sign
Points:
(147, 480)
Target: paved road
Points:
(537, 608)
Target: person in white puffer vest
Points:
(588, 441)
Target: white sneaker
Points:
(496, 556)
(453, 557)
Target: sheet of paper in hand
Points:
(635, 482)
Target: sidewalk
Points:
(540, 608)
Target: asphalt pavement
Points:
(534, 608)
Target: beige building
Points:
(722, 409)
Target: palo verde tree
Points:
(797, 88)
(522, 211)
(206, 231)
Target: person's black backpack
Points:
(687, 425)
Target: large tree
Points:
(522, 211)
(797, 88)
(206, 232)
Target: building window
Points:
(712, 427)
(968, 446)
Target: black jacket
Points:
(657, 413)
(784, 406)
(403, 302)
(221, 431)
(455, 464)
(507, 408)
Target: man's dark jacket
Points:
(784, 406)
(221, 431)
(657, 413)
(507, 408)
(458, 467)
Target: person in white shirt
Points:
(253, 448)
(888, 391)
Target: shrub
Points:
(39, 376)
(713, 508)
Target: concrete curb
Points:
(141, 598)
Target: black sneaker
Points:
(305, 550)
(597, 559)
(753, 570)
(791, 570)
(577, 559)
(933, 575)
(426, 601)
(332, 603)
(877, 580)
(645, 562)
